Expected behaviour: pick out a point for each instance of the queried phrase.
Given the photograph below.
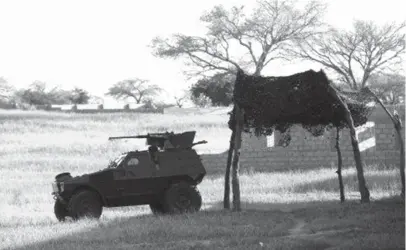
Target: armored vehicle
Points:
(164, 176)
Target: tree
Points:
(93, 99)
(263, 35)
(390, 88)
(5, 88)
(6, 94)
(149, 103)
(218, 88)
(356, 54)
(201, 101)
(181, 98)
(79, 96)
(136, 88)
(38, 94)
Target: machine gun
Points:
(166, 140)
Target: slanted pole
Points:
(226, 200)
(354, 141)
(397, 123)
(239, 122)
(340, 165)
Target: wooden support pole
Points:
(226, 201)
(354, 141)
(239, 122)
(340, 165)
(397, 123)
(398, 127)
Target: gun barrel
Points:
(127, 137)
(157, 136)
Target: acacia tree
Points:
(136, 88)
(356, 54)
(269, 29)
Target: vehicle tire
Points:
(182, 198)
(60, 211)
(157, 208)
(85, 204)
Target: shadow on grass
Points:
(316, 225)
(374, 180)
(220, 171)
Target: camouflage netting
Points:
(277, 103)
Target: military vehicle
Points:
(164, 176)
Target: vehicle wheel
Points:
(60, 211)
(157, 208)
(85, 204)
(182, 198)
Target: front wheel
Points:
(60, 211)
(182, 198)
(85, 204)
(157, 208)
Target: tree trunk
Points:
(354, 141)
(397, 123)
(239, 121)
(340, 164)
(227, 176)
(398, 127)
(258, 71)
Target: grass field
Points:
(285, 210)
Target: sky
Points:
(93, 44)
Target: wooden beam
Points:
(355, 146)
(239, 122)
(226, 201)
(340, 165)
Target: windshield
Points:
(117, 161)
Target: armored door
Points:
(136, 183)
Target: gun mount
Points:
(166, 140)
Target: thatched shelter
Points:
(264, 104)
(271, 103)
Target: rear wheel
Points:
(182, 198)
(60, 210)
(85, 204)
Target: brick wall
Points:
(377, 141)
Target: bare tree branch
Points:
(272, 27)
(355, 55)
